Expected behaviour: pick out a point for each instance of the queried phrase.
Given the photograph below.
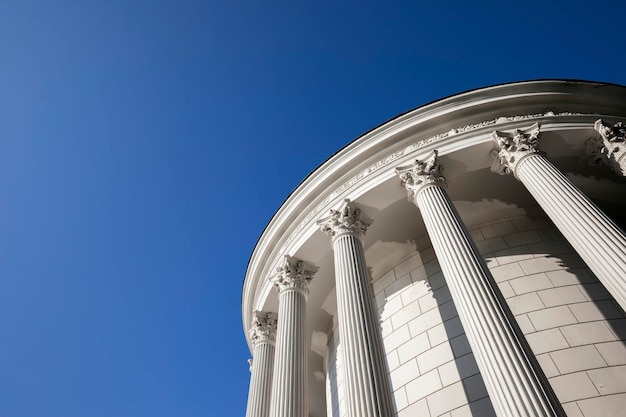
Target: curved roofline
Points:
(563, 80)
(292, 220)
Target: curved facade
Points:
(466, 258)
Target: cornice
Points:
(373, 157)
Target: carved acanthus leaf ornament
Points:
(610, 148)
(421, 174)
(511, 148)
(263, 328)
(293, 274)
(347, 219)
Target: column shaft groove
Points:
(515, 384)
(289, 386)
(368, 393)
(261, 380)
(596, 238)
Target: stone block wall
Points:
(432, 369)
(572, 324)
(334, 381)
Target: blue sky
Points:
(144, 146)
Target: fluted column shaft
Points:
(594, 236)
(512, 377)
(263, 335)
(514, 386)
(366, 385)
(289, 386)
(261, 380)
(289, 389)
(368, 393)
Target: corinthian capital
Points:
(293, 274)
(610, 148)
(348, 219)
(421, 173)
(263, 328)
(511, 148)
(610, 134)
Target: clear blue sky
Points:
(144, 145)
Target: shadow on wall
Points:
(432, 368)
(465, 367)
(572, 324)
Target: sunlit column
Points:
(263, 336)
(609, 149)
(367, 390)
(289, 386)
(515, 385)
(596, 238)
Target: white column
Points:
(515, 384)
(263, 336)
(289, 386)
(596, 238)
(366, 385)
(610, 148)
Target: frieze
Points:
(473, 126)
(529, 116)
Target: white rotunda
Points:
(466, 258)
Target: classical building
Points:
(466, 258)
